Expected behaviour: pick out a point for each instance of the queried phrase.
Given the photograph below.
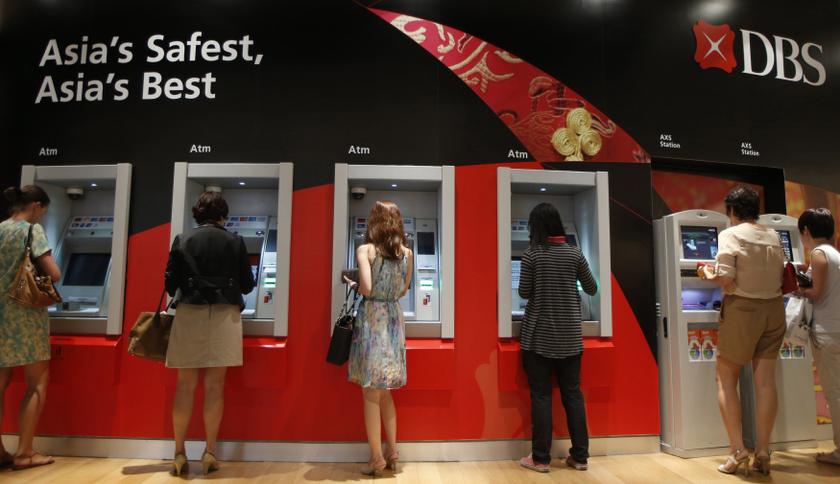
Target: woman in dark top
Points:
(207, 274)
(552, 337)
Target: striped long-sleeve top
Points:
(548, 280)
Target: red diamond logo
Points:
(714, 46)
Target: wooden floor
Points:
(794, 467)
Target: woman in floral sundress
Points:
(377, 355)
(24, 332)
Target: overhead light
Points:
(242, 184)
(542, 189)
(393, 185)
(94, 185)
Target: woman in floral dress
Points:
(377, 355)
(24, 332)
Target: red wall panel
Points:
(469, 388)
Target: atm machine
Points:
(796, 421)
(260, 235)
(688, 311)
(520, 240)
(425, 196)
(87, 225)
(259, 198)
(421, 302)
(582, 198)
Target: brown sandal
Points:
(31, 463)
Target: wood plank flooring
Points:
(788, 467)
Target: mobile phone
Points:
(804, 280)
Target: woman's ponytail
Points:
(13, 194)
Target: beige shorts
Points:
(751, 328)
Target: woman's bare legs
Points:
(37, 377)
(183, 405)
(766, 402)
(373, 424)
(214, 404)
(389, 418)
(730, 405)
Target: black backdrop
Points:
(335, 75)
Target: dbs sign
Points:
(761, 55)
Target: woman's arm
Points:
(526, 276)
(47, 266)
(409, 270)
(42, 254)
(170, 277)
(363, 261)
(819, 274)
(723, 272)
(584, 275)
(246, 275)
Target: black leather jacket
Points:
(209, 265)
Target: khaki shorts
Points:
(751, 328)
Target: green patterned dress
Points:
(377, 354)
(24, 332)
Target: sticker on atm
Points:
(786, 351)
(708, 341)
(694, 347)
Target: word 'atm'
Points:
(87, 224)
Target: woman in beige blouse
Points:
(749, 267)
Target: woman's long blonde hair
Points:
(385, 229)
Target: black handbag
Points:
(342, 336)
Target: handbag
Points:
(789, 281)
(149, 337)
(342, 337)
(798, 315)
(29, 288)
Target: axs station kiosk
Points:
(259, 197)
(582, 198)
(426, 197)
(87, 224)
(796, 420)
(688, 310)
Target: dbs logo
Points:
(714, 46)
(761, 55)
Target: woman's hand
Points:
(349, 281)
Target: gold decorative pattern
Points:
(578, 138)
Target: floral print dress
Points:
(24, 332)
(377, 355)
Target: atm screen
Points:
(699, 243)
(425, 243)
(784, 238)
(515, 268)
(86, 269)
(271, 242)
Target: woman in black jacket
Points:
(207, 274)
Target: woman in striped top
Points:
(552, 337)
